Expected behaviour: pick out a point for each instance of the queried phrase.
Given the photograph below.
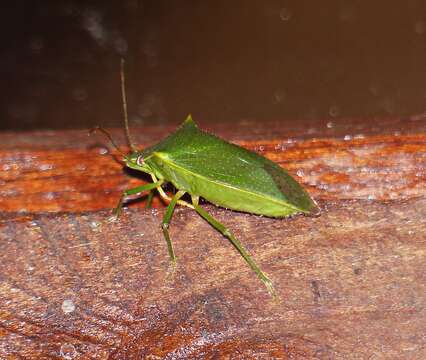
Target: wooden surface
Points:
(74, 285)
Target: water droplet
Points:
(45, 167)
(80, 94)
(300, 173)
(347, 137)
(49, 195)
(68, 351)
(80, 167)
(28, 158)
(334, 111)
(420, 27)
(285, 14)
(153, 357)
(279, 96)
(94, 225)
(101, 150)
(261, 148)
(330, 124)
(371, 197)
(68, 306)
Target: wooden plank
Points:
(86, 177)
(351, 282)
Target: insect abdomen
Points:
(219, 193)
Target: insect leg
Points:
(149, 199)
(220, 227)
(133, 191)
(166, 222)
(168, 198)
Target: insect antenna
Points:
(108, 135)
(124, 99)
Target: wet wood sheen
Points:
(351, 282)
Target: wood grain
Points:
(350, 282)
(75, 285)
(86, 177)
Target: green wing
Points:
(227, 174)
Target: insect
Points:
(205, 166)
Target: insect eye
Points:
(139, 160)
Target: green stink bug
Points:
(203, 165)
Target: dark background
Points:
(219, 60)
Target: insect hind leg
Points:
(241, 249)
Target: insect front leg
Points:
(226, 232)
(134, 191)
(166, 221)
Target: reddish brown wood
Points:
(351, 282)
(86, 177)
